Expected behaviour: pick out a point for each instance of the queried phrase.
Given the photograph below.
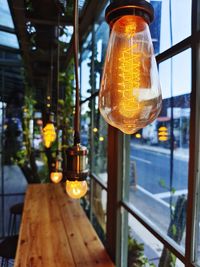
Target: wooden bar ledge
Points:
(55, 232)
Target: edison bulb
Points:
(56, 177)
(130, 94)
(49, 134)
(76, 189)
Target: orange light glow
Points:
(56, 177)
(163, 134)
(49, 134)
(76, 189)
(130, 95)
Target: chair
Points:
(15, 210)
(8, 249)
(8, 246)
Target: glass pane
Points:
(99, 210)
(85, 124)
(5, 16)
(86, 65)
(146, 250)
(101, 40)
(159, 154)
(8, 39)
(169, 27)
(197, 233)
(99, 136)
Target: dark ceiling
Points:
(36, 24)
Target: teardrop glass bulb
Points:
(56, 177)
(130, 94)
(76, 189)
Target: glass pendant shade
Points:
(49, 134)
(76, 189)
(56, 177)
(130, 94)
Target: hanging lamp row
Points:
(130, 94)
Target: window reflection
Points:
(145, 250)
(159, 153)
(169, 27)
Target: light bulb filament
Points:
(129, 76)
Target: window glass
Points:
(146, 250)
(8, 39)
(85, 124)
(86, 65)
(197, 235)
(5, 16)
(159, 154)
(169, 27)
(99, 153)
(101, 42)
(99, 210)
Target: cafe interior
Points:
(99, 133)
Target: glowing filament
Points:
(129, 66)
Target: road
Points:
(153, 167)
(149, 197)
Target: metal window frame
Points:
(193, 43)
(116, 234)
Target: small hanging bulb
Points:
(56, 174)
(76, 189)
(130, 94)
(56, 177)
(49, 132)
(76, 171)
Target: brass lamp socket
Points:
(57, 165)
(76, 163)
(120, 8)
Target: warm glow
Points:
(56, 177)
(76, 189)
(163, 134)
(130, 96)
(49, 134)
(95, 130)
(138, 135)
(101, 138)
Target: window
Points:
(150, 178)
(94, 128)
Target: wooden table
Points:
(55, 232)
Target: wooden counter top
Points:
(55, 232)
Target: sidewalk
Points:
(179, 153)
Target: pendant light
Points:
(130, 94)
(56, 174)
(76, 172)
(49, 132)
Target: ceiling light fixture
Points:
(56, 174)
(76, 170)
(130, 94)
(49, 132)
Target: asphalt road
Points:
(153, 167)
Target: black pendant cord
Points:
(51, 79)
(76, 64)
(57, 84)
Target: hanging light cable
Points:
(56, 172)
(76, 173)
(49, 133)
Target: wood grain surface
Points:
(55, 232)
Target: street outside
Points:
(150, 190)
